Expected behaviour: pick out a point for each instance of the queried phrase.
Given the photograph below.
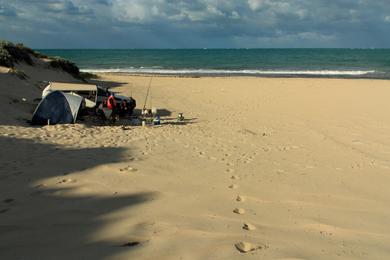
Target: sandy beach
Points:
(293, 168)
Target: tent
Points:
(57, 108)
(88, 91)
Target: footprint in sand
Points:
(248, 227)
(240, 198)
(229, 170)
(233, 186)
(248, 161)
(235, 177)
(245, 247)
(239, 211)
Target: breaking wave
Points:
(234, 72)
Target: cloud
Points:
(67, 7)
(197, 23)
(7, 11)
(256, 4)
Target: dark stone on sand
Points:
(131, 244)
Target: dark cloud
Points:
(7, 11)
(197, 23)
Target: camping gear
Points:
(180, 117)
(147, 94)
(147, 112)
(57, 108)
(91, 93)
(156, 120)
(154, 111)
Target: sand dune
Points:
(305, 161)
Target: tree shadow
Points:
(48, 223)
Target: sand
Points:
(310, 160)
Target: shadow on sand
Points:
(106, 83)
(41, 223)
(161, 112)
(187, 121)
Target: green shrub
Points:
(65, 65)
(87, 75)
(12, 53)
(18, 52)
(5, 58)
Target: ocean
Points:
(338, 63)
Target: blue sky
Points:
(196, 23)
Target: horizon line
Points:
(265, 48)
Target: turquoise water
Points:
(362, 63)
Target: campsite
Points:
(63, 103)
(240, 167)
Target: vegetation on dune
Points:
(65, 65)
(11, 53)
(5, 58)
(88, 75)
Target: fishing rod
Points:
(147, 93)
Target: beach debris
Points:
(64, 181)
(245, 247)
(248, 227)
(239, 211)
(24, 99)
(128, 168)
(233, 186)
(131, 244)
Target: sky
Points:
(196, 23)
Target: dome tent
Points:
(57, 108)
